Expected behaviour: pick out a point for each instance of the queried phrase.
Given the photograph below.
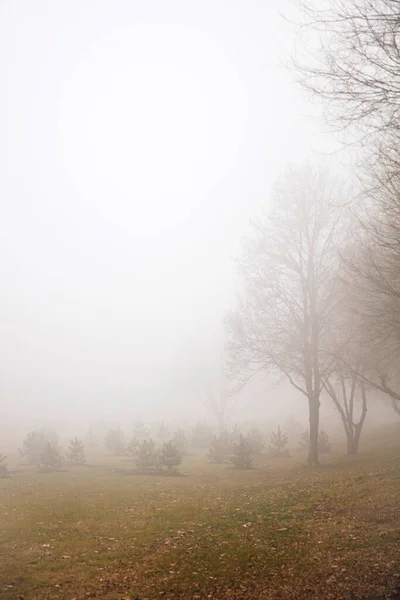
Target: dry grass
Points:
(278, 531)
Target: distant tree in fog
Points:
(221, 448)
(146, 455)
(278, 443)
(217, 398)
(50, 458)
(324, 445)
(357, 74)
(170, 456)
(76, 452)
(241, 454)
(288, 271)
(34, 444)
(349, 394)
(357, 67)
(373, 282)
(345, 384)
(115, 441)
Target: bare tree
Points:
(357, 64)
(288, 299)
(345, 382)
(374, 285)
(347, 390)
(217, 399)
(357, 71)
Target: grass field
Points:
(278, 531)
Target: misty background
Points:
(137, 139)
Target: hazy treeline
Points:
(321, 271)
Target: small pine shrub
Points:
(3, 466)
(278, 444)
(241, 457)
(170, 456)
(181, 441)
(114, 442)
(221, 448)
(146, 455)
(76, 452)
(50, 458)
(324, 446)
(34, 444)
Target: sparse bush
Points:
(50, 459)
(3, 466)
(147, 455)
(241, 457)
(34, 444)
(76, 452)
(277, 447)
(181, 441)
(255, 440)
(170, 455)
(221, 448)
(114, 441)
(324, 446)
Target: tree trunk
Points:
(353, 442)
(356, 428)
(313, 406)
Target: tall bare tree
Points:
(357, 71)
(357, 64)
(217, 398)
(345, 383)
(374, 285)
(288, 300)
(347, 390)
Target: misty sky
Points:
(137, 138)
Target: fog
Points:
(137, 141)
(200, 315)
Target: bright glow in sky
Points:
(137, 139)
(150, 119)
